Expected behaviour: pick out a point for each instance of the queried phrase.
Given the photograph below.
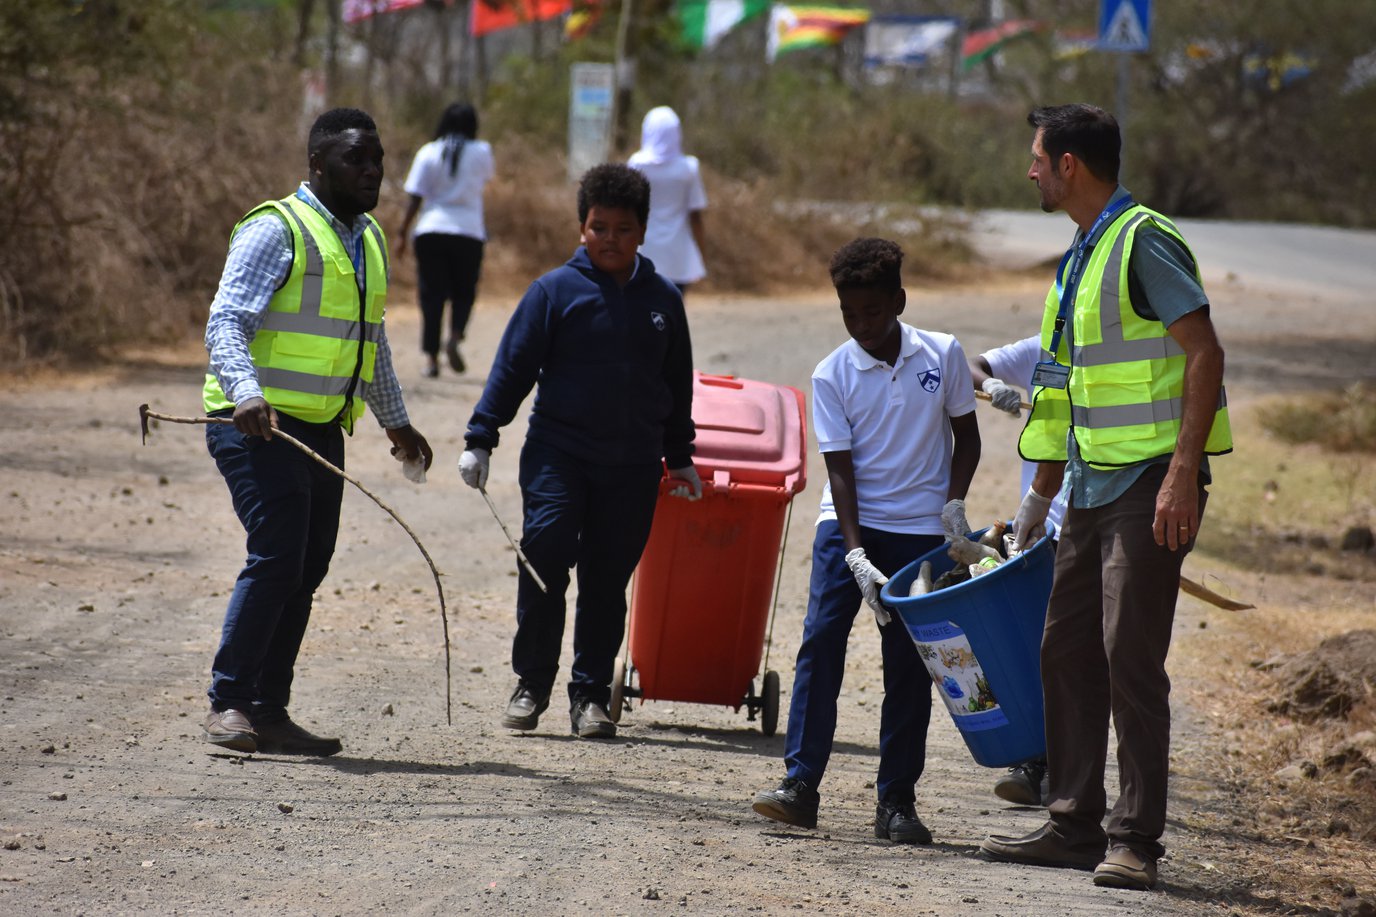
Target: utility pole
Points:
(625, 76)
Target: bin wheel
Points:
(618, 691)
(769, 719)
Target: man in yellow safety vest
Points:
(296, 344)
(1127, 401)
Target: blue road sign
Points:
(1124, 25)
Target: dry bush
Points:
(1342, 421)
(124, 177)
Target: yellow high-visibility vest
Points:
(316, 348)
(1126, 372)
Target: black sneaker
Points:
(899, 823)
(524, 709)
(793, 803)
(1024, 785)
(590, 720)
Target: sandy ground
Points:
(115, 563)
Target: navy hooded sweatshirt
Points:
(614, 367)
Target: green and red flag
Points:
(983, 44)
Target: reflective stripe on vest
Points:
(315, 351)
(1115, 366)
(309, 320)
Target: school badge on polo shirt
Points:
(658, 319)
(930, 379)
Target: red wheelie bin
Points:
(704, 589)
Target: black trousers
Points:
(447, 268)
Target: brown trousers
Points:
(1108, 629)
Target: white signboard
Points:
(592, 88)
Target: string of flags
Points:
(900, 40)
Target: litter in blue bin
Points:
(980, 640)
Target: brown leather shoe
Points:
(283, 737)
(1125, 868)
(1041, 848)
(231, 729)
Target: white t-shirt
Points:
(675, 191)
(450, 204)
(1014, 364)
(894, 421)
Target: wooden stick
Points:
(145, 414)
(985, 396)
(1204, 593)
(520, 555)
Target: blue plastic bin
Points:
(981, 643)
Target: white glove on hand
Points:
(691, 488)
(953, 520)
(1003, 396)
(869, 579)
(413, 468)
(473, 467)
(1030, 523)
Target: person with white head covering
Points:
(674, 235)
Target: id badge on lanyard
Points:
(1049, 373)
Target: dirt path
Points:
(115, 561)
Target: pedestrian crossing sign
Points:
(1124, 25)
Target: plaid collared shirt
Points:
(259, 260)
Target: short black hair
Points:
(868, 263)
(613, 184)
(335, 122)
(1086, 132)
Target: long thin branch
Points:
(145, 414)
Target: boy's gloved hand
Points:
(1003, 396)
(473, 467)
(953, 520)
(869, 579)
(1030, 523)
(691, 488)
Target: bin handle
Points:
(721, 381)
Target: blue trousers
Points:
(832, 603)
(594, 517)
(289, 507)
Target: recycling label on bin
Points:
(946, 652)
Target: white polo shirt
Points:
(1014, 364)
(894, 421)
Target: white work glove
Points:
(1003, 396)
(1029, 524)
(473, 467)
(869, 579)
(953, 520)
(691, 488)
(413, 468)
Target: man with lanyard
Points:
(1128, 400)
(297, 344)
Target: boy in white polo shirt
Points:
(893, 410)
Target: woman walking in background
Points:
(674, 236)
(446, 187)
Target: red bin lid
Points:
(749, 432)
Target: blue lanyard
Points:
(356, 256)
(1076, 256)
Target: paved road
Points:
(1300, 296)
(1335, 263)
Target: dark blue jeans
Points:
(832, 602)
(289, 507)
(595, 517)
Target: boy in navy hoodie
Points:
(606, 338)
